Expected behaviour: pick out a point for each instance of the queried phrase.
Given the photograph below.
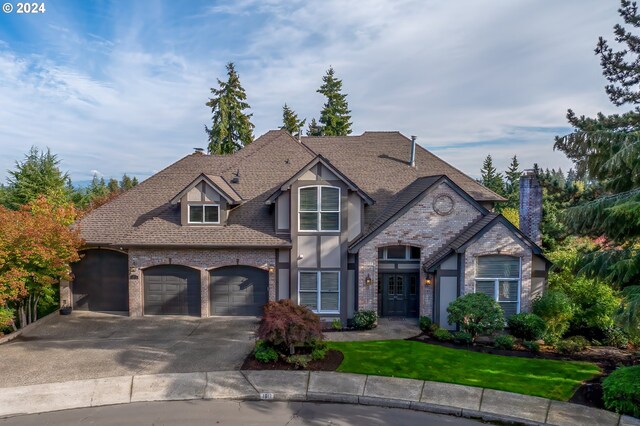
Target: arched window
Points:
(498, 277)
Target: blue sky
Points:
(121, 86)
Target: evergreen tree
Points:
(126, 182)
(512, 184)
(98, 187)
(607, 148)
(39, 174)
(334, 117)
(490, 176)
(134, 181)
(290, 121)
(113, 186)
(231, 128)
(314, 128)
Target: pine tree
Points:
(39, 174)
(490, 176)
(113, 185)
(126, 182)
(512, 184)
(134, 181)
(314, 128)
(290, 121)
(334, 117)
(607, 149)
(231, 128)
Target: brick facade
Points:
(200, 259)
(500, 240)
(419, 226)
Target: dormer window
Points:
(319, 208)
(204, 213)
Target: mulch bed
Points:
(330, 363)
(589, 393)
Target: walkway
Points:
(387, 329)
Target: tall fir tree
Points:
(314, 128)
(39, 174)
(490, 176)
(232, 128)
(113, 186)
(512, 184)
(290, 121)
(607, 148)
(334, 116)
(126, 182)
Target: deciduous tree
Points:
(37, 245)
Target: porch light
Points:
(367, 280)
(271, 269)
(427, 281)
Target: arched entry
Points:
(101, 281)
(238, 290)
(171, 290)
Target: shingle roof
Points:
(377, 162)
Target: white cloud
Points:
(498, 72)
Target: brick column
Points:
(205, 310)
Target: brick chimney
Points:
(530, 205)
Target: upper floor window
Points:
(204, 213)
(399, 253)
(499, 278)
(319, 208)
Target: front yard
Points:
(416, 360)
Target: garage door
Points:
(171, 290)
(239, 290)
(101, 281)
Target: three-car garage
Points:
(101, 283)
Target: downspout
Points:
(413, 151)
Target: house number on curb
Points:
(266, 395)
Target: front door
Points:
(399, 295)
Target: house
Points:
(339, 224)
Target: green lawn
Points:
(416, 360)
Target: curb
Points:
(331, 387)
(45, 319)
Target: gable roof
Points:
(375, 164)
(319, 159)
(474, 231)
(403, 201)
(216, 182)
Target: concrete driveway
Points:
(92, 345)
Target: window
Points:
(320, 291)
(499, 278)
(208, 213)
(319, 208)
(399, 253)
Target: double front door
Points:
(398, 293)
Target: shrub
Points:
(265, 353)
(425, 324)
(555, 308)
(531, 346)
(300, 361)
(462, 338)
(442, 335)
(319, 351)
(506, 341)
(476, 313)
(365, 320)
(527, 326)
(572, 345)
(621, 391)
(336, 324)
(614, 336)
(286, 324)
